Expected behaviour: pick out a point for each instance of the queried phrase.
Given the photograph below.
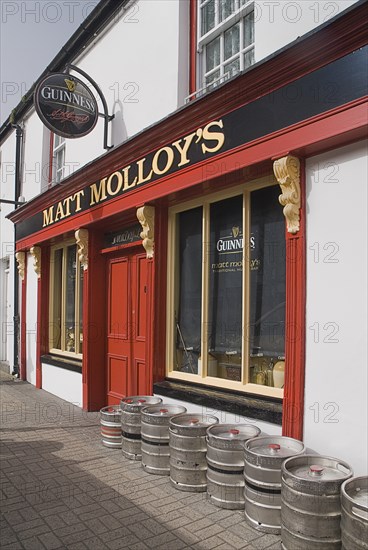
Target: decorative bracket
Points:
(81, 237)
(36, 253)
(21, 259)
(146, 217)
(287, 173)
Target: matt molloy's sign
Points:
(65, 105)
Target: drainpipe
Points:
(17, 189)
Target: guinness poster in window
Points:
(267, 274)
(226, 266)
(65, 105)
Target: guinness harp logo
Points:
(235, 232)
(70, 84)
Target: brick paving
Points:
(60, 488)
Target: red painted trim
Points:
(85, 347)
(51, 158)
(193, 46)
(333, 129)
(293, 402)
(160, 277)
(43, 296)
(23, 326)
(38, 341)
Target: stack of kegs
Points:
(225, 461)
(188, 447)
(311, 508)
(110, 421)
(354, 513)
(131, 423)
(155, 437)
(262, 472)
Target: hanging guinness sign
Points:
(66, 106)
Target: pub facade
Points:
(211, 254)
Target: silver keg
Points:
(188, 448)
(354, 513)
(110, 420)
(311, 508)
(225, 463)
(131, 423)
(155, 437)
(263, 458)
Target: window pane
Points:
(227, 7)
(225, 289)
(208, 16)
(213, 54)
(267, 285)
(248, 22)
(248, 59)
(189, 310)
(232, 68)
(231, 41)
(70, 297)
(211, 80)
(55, 332)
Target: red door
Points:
(127, 370)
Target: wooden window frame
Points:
(173, 287)
(79, 345)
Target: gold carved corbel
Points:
(81, 237)
(21, 260)
(36, 253)
(287, 173)
(146, 217)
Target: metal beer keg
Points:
(311, 508)
(262, 471)
(155, 437)
(110, 420)
(188, 448)
(225, 463)
(354, 513)
(131, 423)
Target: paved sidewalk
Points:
(60, 488)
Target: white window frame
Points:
(172, 288)
(240, 12)
(58, 151)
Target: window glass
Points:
(70, 297)
(231, 37)
(208, 16)
(56, 299)
(248, 33)
(267, 285)
(232, 68)
(189, 309)
(227, 7)
(213, 54)
(225, 289)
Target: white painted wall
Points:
(336, 411)
(32, 159)
(31, 321)
(136, 64)
(62, 383)
(279, 22)
(223, 416)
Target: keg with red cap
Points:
(263, 458)
(188, 447)
(310, 502)
(131, 423)
(110, 420)
(225, 461)
(155, 437)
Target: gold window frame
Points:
(173, 288)
(77, 332)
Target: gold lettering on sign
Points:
(287, 173)
(98, 194)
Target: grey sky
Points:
(31, 34)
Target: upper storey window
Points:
(59, 158)
(226, 39)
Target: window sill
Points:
(73, 365)
(259, 408)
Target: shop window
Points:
(227, 284)
(66, 301)
(58, 158)
(226, 39)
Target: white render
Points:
(279, 22)
(336, 412)
(31, 322)
(63, 383)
